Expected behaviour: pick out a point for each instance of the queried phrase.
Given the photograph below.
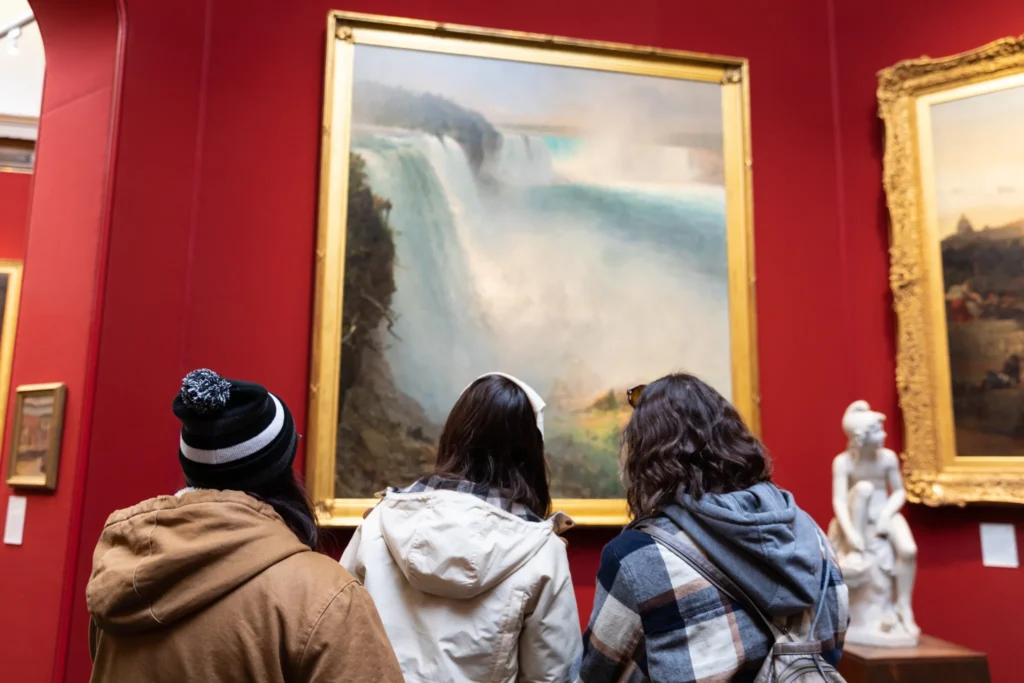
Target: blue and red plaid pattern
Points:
(656, 619)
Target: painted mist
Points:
(563, 225)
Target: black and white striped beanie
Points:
(234, 435)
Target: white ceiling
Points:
(21, 75)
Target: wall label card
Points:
(14, 528)
(999, 546)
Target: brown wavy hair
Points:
(491, 438)
(684, 437)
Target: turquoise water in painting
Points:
(559, 280)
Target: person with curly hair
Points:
(718, 564)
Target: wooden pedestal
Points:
(932, 661)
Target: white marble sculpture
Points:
(876, 550)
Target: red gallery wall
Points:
(214, 205)
(956, 597)
(56, 337)
(209, 257)
(15, 189)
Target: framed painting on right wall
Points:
(954, 181)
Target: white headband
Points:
(535, 400)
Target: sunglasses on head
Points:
(633, 395)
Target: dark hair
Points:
(289, 499)
(491, 438)
(684, 437)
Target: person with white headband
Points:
(467, 564)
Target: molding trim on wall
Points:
(19, 127)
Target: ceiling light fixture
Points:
(12, 32)
(12, 41)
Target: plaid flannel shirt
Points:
(656, 619)
(494, 496)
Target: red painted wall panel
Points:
(15, 191)
(52, 345)
(55, 337)
(133, 447)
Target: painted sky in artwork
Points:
(516, 93)
(978, 145)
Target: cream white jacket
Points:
(468, 592)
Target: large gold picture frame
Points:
(345, 32)
(908, 93)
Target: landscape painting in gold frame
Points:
(577, 214)
(37, 428)
(954, 181)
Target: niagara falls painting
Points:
(561, 224)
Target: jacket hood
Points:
(762, 540)
(454, 544)
(169, 557)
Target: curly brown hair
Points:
(684, 437)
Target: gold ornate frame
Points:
(935, 473)
(344, 32)
(8, 331)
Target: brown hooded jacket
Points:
(212, 586)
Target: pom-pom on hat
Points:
(234, 435)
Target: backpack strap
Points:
(693, 557)
(827, 554)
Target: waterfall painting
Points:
(579, 226)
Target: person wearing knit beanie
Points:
(221, 581)
(234, 435)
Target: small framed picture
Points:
(18, 136)
(36, 435)
(17, 156)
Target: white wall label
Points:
(999, 546)
(14, 528)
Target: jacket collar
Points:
(495, 496)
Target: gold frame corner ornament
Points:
(935, 473)
(345, 30)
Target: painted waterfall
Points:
(563, 225)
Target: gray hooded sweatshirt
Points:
(762, 541)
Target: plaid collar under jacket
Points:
(494, 496)
(656, 619)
